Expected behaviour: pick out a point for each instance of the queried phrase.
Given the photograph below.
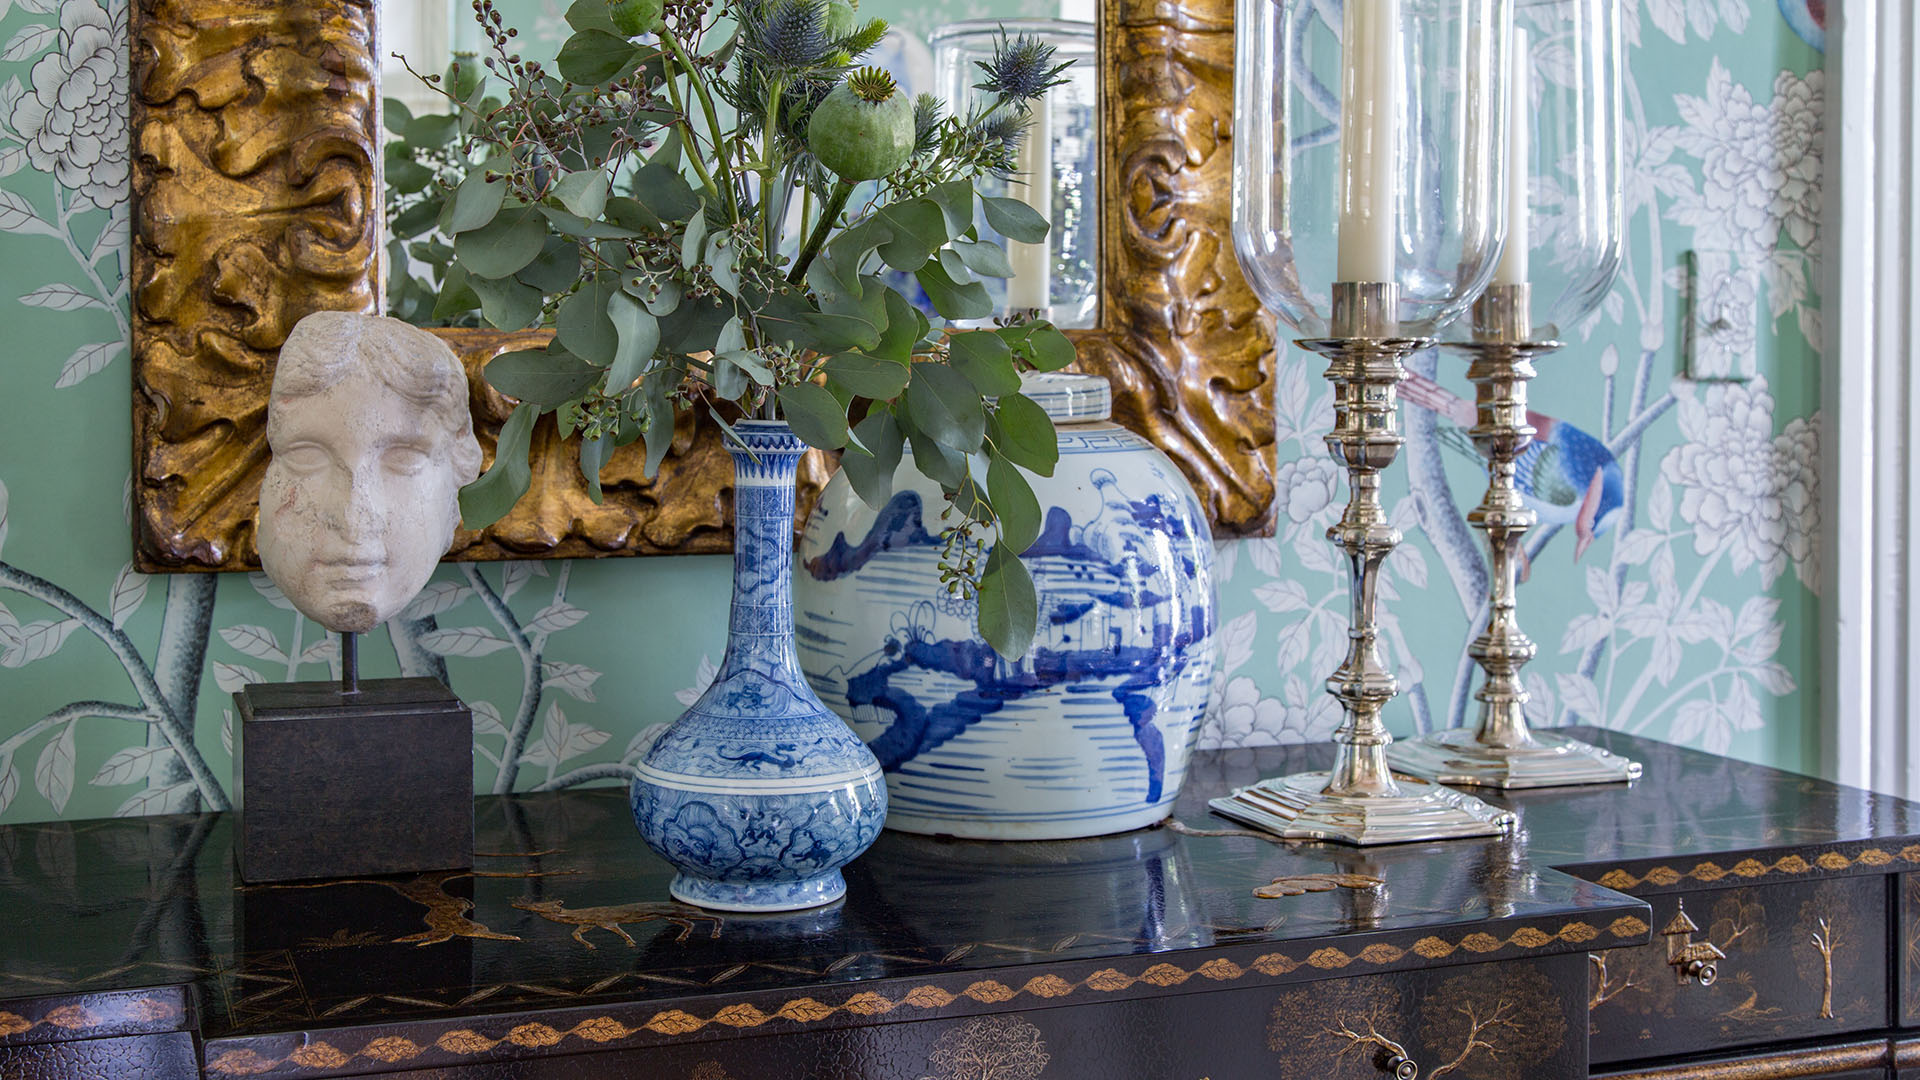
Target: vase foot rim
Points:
(759, 898)
(868, 773)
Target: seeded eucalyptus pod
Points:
(686, 262)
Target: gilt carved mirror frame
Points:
(256, 201)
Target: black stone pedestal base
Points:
(331, 784)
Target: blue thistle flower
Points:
(1022, 68)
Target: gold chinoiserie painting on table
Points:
(256, 134)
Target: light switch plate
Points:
(1723, 323)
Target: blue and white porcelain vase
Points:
(759, 794)
(1089, 733)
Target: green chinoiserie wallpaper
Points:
(1682, 606)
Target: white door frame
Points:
(1870, 647)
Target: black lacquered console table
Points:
(1585, 944)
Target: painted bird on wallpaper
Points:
(1808, 18)
(1567, 476)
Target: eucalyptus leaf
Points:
(814, 415)
(935, 462)
(955, 266)
(917, 229)
(475, 202)
(693, 242)
(661, 189)
(1009, 609)
(593, 457)
(944, 404)
(629, 215)
(868, 376)
(658, 431)
(732, 336)
(984, 257)
(871, 474)
(456, 294)
(584, 193)
(952, 299)
(728, 380)
(591, 15)
(749, 361)
(556, 268)
(664, 297)
(1013, 503)
(1025, 434)
(639, 334)
(581, 323)
(1014, 219)
(509, 304)
(693, 326)
(1040, 344)
(726, 272)
(395, 116)
(591, 57)
(985, 360)
(488, 499)
(417, 219)
(405, 175)
(546, 377)
(502, 246)
(432, 131)
(572, 224)
(955, 199)
(906, 328)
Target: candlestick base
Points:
(1299, 807)
(1457, 756)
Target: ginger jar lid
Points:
(1068, 398)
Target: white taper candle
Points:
(1370, 105)
(1512, 269)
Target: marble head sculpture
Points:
(372, 441)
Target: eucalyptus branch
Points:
(530, 689)
(721, 157)
(836, 202)
(178, 729)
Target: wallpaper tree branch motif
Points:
(1687, 616)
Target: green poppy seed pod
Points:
(863, 130)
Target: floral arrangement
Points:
(678, 202)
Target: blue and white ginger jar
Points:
(1089, 733)
(758, 794)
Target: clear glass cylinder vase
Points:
(1058, 167)
(1367, 141)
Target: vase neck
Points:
(766, 457)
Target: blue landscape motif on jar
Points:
(1089, 732)
(758, 793)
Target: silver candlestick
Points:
(1503, 752)
(1359, 801)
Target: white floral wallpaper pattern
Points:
(1689, 615)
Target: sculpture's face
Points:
(358, 504)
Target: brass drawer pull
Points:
(1399, 1067)
(1692, 961)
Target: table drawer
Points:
(1863, 1060)
(1800, 960)
(1517, 1020)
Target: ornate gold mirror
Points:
(256, 201)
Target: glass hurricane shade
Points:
(1057, 171)
(1564, 212)
(1368, 142)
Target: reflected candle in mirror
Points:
(1031, 286)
